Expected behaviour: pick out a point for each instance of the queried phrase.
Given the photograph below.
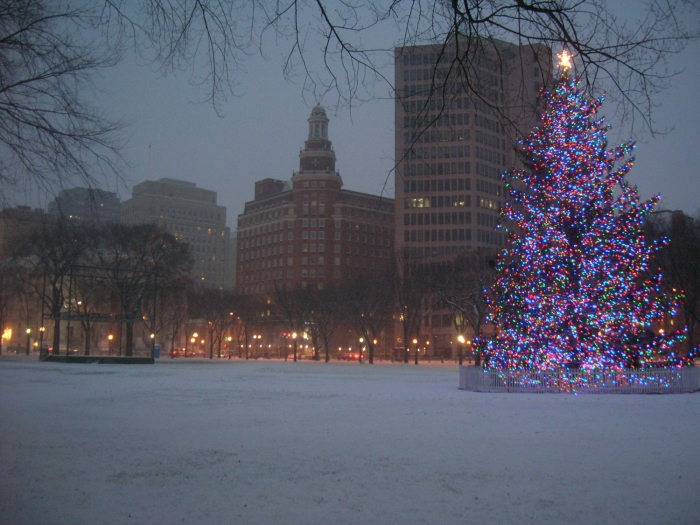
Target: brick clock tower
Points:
(318, 154)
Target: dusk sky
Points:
(259, 136)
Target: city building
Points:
(232, 248)
(454, 137)
(309, 231)
(87, 205)
(192, 216)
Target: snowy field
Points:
(269, 442)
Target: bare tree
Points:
(216, 308)
(411, 292)
(292, 308)
(368, 306)
(49, 131)
(678, 260)
(325, 315)
(10, 291)
(341, 48)
(461, 287)
(174, 310)
(137, 259)
(247, 312)
(46, 258)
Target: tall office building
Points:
(308, 231)
(89, 205)
(455, 134)
(192, 216)
(454, 138)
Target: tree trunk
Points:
(415, 355)
(56, 334)
(328, 357)
(129, 345)
(295, 350)
(370, 347)
(405, 344)
(87, 340)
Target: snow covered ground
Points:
(267, 442)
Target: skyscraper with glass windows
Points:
(458, 114)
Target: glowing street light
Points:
(461, 340)
(42, 329)
(294, 338)
(29, 331)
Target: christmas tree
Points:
(570, 289)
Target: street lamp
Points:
(29, 331)
(362, 340)
(41, 341)
(294, 338)
(460, 338)
(415, 353)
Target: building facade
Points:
(192, 216)
(454, 138)
(456, 132)
(87, 205)
(309, 231)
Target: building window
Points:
(336, 248)
(337, 223)
(304, 234)
(304, 248)
(290, 248)
(322, 223)
(290, 236)
(290, 262)
(304, 261)
(337, 236)
(305, 223)
(321, 261)
(290, 224)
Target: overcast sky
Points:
(264, 127)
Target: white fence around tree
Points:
(627, 381)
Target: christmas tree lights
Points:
(571, 287)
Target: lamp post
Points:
(41, 341)
(29, 331)
(110, 337)
(415, 351)
(362, 340)
(460, 352)
(294, 339)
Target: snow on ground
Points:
(268, 442)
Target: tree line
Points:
(140, 276)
